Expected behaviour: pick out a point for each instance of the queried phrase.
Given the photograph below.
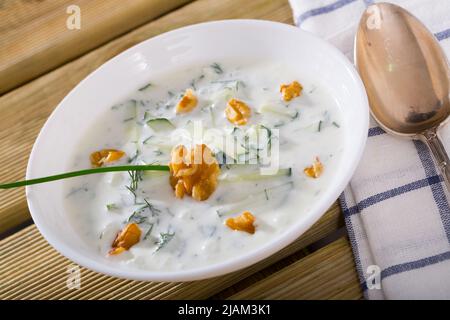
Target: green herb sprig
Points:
(217, 68)
(135, 178)
(85, 172)
(164, 239)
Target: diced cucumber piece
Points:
(231, 150)
(161, 146)
(279, 110)
(254, 175)
(160, 124)
(258, 137)
(133, 130)
(212, 115)
(255, 200)
(155, 174)
(223, 95)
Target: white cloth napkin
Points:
(396, 208)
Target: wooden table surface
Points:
(41, 60)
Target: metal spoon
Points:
(406, 75)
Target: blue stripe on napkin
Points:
(364, 204)
(437, 190)
(322, 10)
(443, 35)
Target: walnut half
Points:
(291, 91)
(314, 171)
(237, 112)
(193, 172)
(187, 103)
(104, 156)
(244, 222)
(128, 237)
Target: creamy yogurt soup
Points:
(275, 138)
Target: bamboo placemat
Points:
(34, 38)
(324, 273)
(29, 267)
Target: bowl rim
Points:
(258, 254)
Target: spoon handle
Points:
(439, 153)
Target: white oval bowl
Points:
(113, 81)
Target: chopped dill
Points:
(237, 84)
(147, 234)
(133, 158)
(266, 194)
(231, 83)
(208, 231)
(211, 114)
(236, 130)
(319, 127)
(194, 81)
(137, 217)
(118, 106)
(136, 177)
(133, 192)
(269, 132)
(240, 83)
(158, 153)
(146, 140)
(153, 210)
(225, 81)
(170, 213)
(164, 239)
(336, 124)
(170, 94)
(221, 158)
(111, 206)
(279, 124)
(145, 87)
(217, 68)
(295, 116)
(76, 190)
(128, 119)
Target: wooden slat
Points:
(31, 269)
(34, 38)
(25, 109)
(328, 273)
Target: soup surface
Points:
(276, 156)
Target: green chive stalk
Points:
(83, 173)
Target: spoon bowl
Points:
(404, 68)
(406, 75)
